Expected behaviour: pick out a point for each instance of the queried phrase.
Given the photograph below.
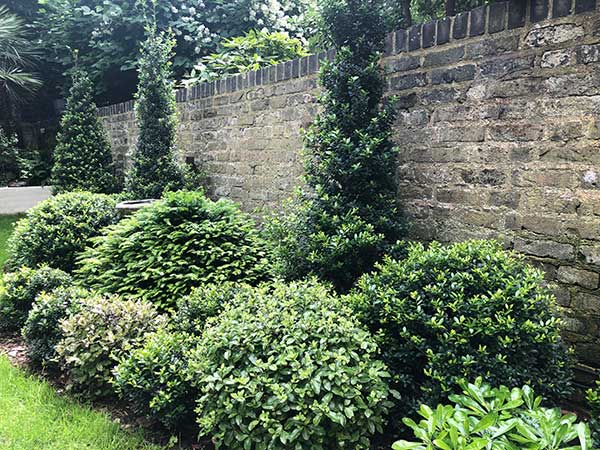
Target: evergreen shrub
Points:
(98, 336)
(288, 367)
(21, 289)
(347, 216)
(57, 230)
(154, 169)
(166, 249)
(42, 331)
(9, 166)
(593, 398)
(448, 314)
(156, 378)
(82, 157)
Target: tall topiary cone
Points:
(82, 158)
(346, 217)
(154, 168)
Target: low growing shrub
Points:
(288, 367)
(20, 290)
(593, 397)
(57, 229)
(98, 336)
(486, 418)
(156, 380)
(42, 330)
(166, 249)
(448, 314)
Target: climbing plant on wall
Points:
(347, 216)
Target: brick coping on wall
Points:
(488, 19)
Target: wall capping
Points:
(484, 20)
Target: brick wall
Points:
(498, 130)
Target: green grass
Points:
(6, 228)
(33, 416)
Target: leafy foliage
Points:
(35, 165)
(593, 398)
(42, 330)
(252, 51)
(448, 314)
(82, 158)
(204, 302)
(347, 217)
(57, 229)
(166, 249)
(156, 380)
(9, 166)
(107, 32)
(289, 368)
(20, 290)
(486, 418)
(154, 169)
(97, 337)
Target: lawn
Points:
(6, 227)
(33, 416)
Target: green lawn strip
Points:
(33, 416)
(6, 228)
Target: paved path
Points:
(20, 199)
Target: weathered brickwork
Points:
(498, 129)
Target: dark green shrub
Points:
(347, 216)
(21, 289)
(42, 330)
(252, 51)
(57, 229)
(501, 418)
(156, 379)
(448, 314)
(9, 167)
(154, 169)
(593, 398)
(82, 157)
(97, 337)
(178, 243)
(288, 367)
(205, 302)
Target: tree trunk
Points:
(406, 13)
(450, 7)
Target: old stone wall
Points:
(498, 129)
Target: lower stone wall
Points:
(498, 132)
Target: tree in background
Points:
(154, 168)
(252, 51)
(17, 59)
(346, 217)
(82, 158)
(107, 33)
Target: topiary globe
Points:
(450, 314)
(21, 289)
(166, 249)
(56, 230)
(288, 367)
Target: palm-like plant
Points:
(17, 59)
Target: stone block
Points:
(516, 13)
(414, 37)
(587, 54)
(539, 10)
(404, 82)
(584, 6)
(444, 57)
(443, 31)
(558, 58)
(545, 249)
(580, 277)
(477, 21)
(402, 63)
(454, 75)
(459, 28)
(429, 34)
(561, 8)
(401, 41)
(591, 254)
(541, 36)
